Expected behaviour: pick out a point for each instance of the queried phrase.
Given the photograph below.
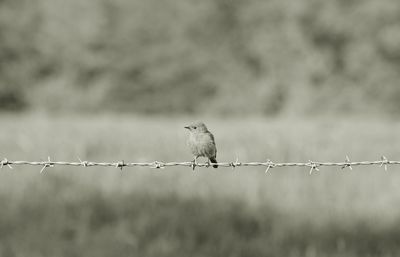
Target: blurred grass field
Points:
(176, 212)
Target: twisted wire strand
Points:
(313, 165)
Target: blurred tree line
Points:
(263, 57)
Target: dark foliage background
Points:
(186, 56)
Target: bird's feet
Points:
(194, 164)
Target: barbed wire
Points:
(312, 165)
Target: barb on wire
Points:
(235, 164)
(5, 162)
(83, 163)
(385, 162)
(270, 165)
(120, 164)
(158, 165)
(347, 164)
(312, 165)
(47, 164)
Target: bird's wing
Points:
(212, 150)
(212, 138)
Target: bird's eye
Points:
(194, 127)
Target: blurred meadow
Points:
(70, 211)
(289, 81)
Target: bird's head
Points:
(197, 127)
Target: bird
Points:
(201, 143)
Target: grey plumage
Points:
(201, 142)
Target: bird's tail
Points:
(214, 160)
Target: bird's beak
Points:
(187, 127)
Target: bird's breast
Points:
(201, 144)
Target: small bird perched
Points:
(201, 143)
